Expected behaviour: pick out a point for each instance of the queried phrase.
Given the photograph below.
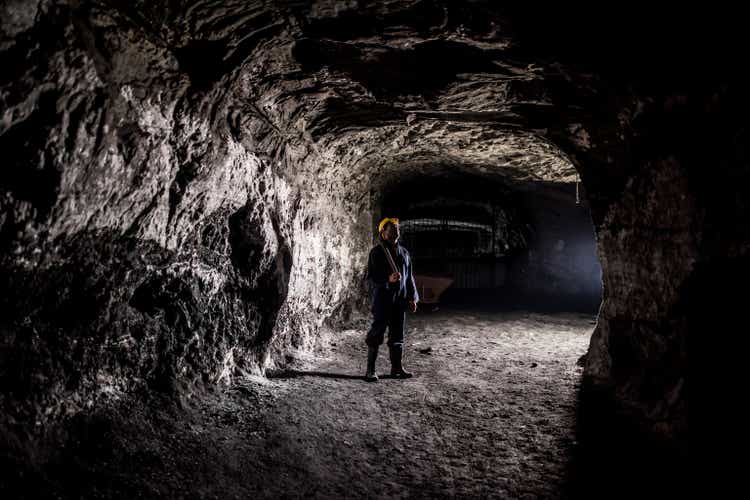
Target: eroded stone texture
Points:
(186, 186)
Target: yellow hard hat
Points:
(386, 221)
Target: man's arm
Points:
(411, 285)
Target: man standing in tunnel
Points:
(392, 290)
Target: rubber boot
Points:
(372, 355)
(397, 370)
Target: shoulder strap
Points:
(389, 257)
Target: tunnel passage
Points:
(135, 130)
(486, 242)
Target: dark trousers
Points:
(390, 315)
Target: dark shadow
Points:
(285, 374)
(613, 458)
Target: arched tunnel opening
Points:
(482, 242)
(190, 192)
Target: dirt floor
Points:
(490, 413)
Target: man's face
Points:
(391, 233)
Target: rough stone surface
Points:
(185, 192)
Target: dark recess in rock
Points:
(423, 69)
(29, 172)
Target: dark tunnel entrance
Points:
(482, 242)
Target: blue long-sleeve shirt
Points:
(378, 270)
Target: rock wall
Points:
(186, 189)
(153, 235)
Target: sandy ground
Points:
(490, 413)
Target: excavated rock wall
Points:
(186, 188)
(160, 228)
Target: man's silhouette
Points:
(392, 291)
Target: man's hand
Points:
(413, 306)
(395, 277)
